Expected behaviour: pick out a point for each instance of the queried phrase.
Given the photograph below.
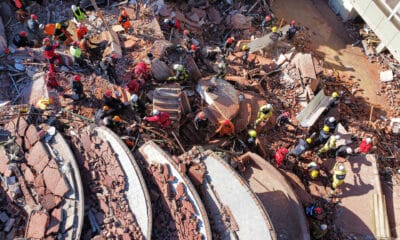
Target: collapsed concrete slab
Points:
(311, 113)
(223, 101)
(265, 42)
(277, 196)
(170, 100)
(304, 62)
(232, 206)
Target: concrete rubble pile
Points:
(104, 181)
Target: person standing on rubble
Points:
(324, 135)
(339, 174)
(301, 147)
(21, 40)
(142, 71)
(33, 24)
(195, 53)
(81, 31)
(77, 88)
(280, 156)
(329, 145)
(61, 34)
(125, 21)
(228, 46)
(50, 54)
(138, 106)
(114, 103)
(334, 100)
(200, 120)
(79, 14)
(161, 118)
(76, 52)
(365, 146)
(264, 114)
(275, 35)
(226, 128)
(331, 123)
(189, 39)
(246, 52)
(221, 70)
(292, 30)
(173, 23)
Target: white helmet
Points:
(368, 140)
(134, 98)
(221, 65)
(341, 167)
(324, 227)
(337, 137)
(349, 150)
(269, 106)
(73, 7)
(166, 21)
(178, 67)
(331, 119)
(156, 112)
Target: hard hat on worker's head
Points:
(324, 227)
(124, 13)
(178, 67)
(166, 21)
(349, 150)
(108, 93)
(134, 98)
(309, 140)
(274, 29)
(77, 78)
(186, 32)
(75, 43)
(227, 122)
(286, 114)
(252, 133)
(106, 108)
(229, 40)
(202, 115)
(331, 119)
(193, 47)
(293, 22)
(245, 47)
(325, 128)
(23, 34)
(314, 174)
(116, 118)
(33, 17)
(156, 112)
(46, 41)
(268, 18)
(368, 140)
(284, 151)
(114, 56)
(266, 108)
(221, 65)
(73, 7)
(335, 94)
(318, 210)
(337, 137)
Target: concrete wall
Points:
(344, 8)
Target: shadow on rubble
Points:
(345, 219)
(357, 189)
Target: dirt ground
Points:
(329, 40)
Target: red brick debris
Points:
(104, 185)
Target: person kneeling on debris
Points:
(77, 88)
(301, 147)
(365, 146)
(200, 120)
(334, 100)
(344, 152)
(52, 83)
(313, 170)
(275, 35)
(112, 102)
(324, 135)
(329, 145)
(161, 118)
(339, 174)
(104, 112)
(50, 54)
(142, 71)
(113, 123)
(61, 34)
(226, 128)
(264, 113)
(284, 119)
(280, 156)
(21, 40)
(124, 20)
(33, 24)
(79, 14)
(173, 23)
(138, 106)
(181, 74)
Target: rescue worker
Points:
(33, 24)
(61, 34)
(104, 112)
(113, 123)
(50, 54)
(313, 170)
(264, 114)
(221, 70)
(301, 147)
(339, 174)
(324, 135)
(138, 106)
(284, 119)
(365, 146)
(292, 30)
(252, 137)
(92, 50)
(275, 35)
(189, 39)
(142, 71)
(21, 40)
(245, 56)
(77, 87)
(266, 23)
(195, 52)
(161, 118)
(124, 20)
(280, 156)
(329, 145)
(108, 69)
(226, 128)
(173, 23)
(133, 86)
(79, 14)
(334, 100)
(81, 31)
(52, 83)
(181, 73)
(200, 120)
(44, 103)
(76, 52)
(344, 152)
(112, 102)
(228, 47)
(331, 123)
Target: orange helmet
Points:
(116, 118)
(193, 47)
(124, 13)
(106, 108)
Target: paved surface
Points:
(252, 222)
(278, 198)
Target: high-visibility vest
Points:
(79, 15)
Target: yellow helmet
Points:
(335, 94)
(274, 29)
(116, 118)
(252, 133)
(309, 140)
(58, 25)
(325, 128)
(245, 47)
(314, 174)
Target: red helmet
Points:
(202, 115)
(23, 34)
(193, 47)
(227, 122)
(114, 56)
(293, 22)
(268, 18)
(284, 151)
(318, 210)
(77, 78)
(286, 114)
(108, 93)
(75, 43)
(229, 40)
(186, 32)
(124, 13)
(33, 17)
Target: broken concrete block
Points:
(386, 76)
(55, 182)
(36, 227)
(239, 21)
(305, 64)
(37, 157)
(160, 70)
